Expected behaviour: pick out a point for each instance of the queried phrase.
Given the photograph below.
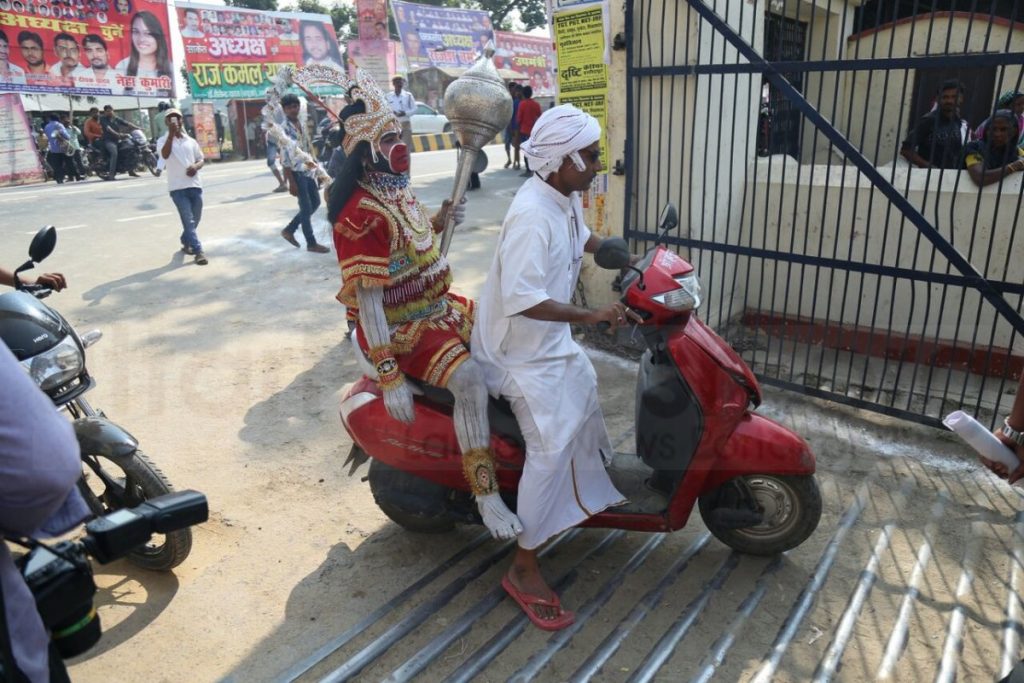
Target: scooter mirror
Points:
(669, 218)
(612, 254)
(43, 243)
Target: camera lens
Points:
(78, 633)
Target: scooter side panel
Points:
(426, 448)
(760, 446)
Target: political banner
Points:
(441, 36)
(19, 162)
(205, 128)
(372, 17)
(86, 47)
(234, 53)
(376, 57)
(531, 56)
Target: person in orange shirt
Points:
(93, 130)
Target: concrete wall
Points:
(816, 210)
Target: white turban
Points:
(560, 132)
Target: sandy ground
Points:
(230, 376)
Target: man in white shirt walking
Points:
(183, 158)
(403, 104)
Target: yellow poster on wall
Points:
(581, 46)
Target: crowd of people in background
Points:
(64, 145)
(943, 139)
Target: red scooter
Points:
(697, 439)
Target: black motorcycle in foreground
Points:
(134, 153)
(61, 578)
(116, 475)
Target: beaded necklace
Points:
(392, 191)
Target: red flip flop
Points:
(527, 601)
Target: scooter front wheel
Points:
(790, 507)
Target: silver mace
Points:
(478, 106)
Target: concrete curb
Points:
(433, 142)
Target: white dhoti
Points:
(539, 367)
(562, 485)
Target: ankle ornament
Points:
(478, 466)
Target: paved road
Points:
(229, 375)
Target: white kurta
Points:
(547, 377)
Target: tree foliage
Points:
(342, 16)
(253, 4)
(532, 13)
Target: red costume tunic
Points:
(385, 238)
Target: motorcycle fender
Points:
(760, 446)
(100, 436)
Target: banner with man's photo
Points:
(531, 56)
(441, 36)
(86, 47)
(234, 53)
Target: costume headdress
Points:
(375, 121)
(273, 114)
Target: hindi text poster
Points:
(91, 47)
(234, 52)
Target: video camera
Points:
(60, 575)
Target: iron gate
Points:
(834, 269)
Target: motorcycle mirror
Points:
(612, 254)
(669, 217)
(43, 243)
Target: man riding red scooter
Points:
(697, 438)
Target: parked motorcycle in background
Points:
(116, 473)
(145, 152)
(134, 153)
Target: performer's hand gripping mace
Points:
(479, 106)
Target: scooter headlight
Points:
(55, 366)
(687, 297)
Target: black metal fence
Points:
(835, 268)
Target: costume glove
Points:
(398, 401)
(459, 212)
(499, 520)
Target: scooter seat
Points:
(499, 413)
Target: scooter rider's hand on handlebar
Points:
(613, 316)
(499, 520)
(398, 401)
(54, 281)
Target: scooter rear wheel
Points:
(791, 506)
(412, 503)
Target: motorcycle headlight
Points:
(686, 298)
(56, 366)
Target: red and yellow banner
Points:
(87, 47)
(533, 57)
(233, 53)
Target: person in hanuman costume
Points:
(396, 285)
